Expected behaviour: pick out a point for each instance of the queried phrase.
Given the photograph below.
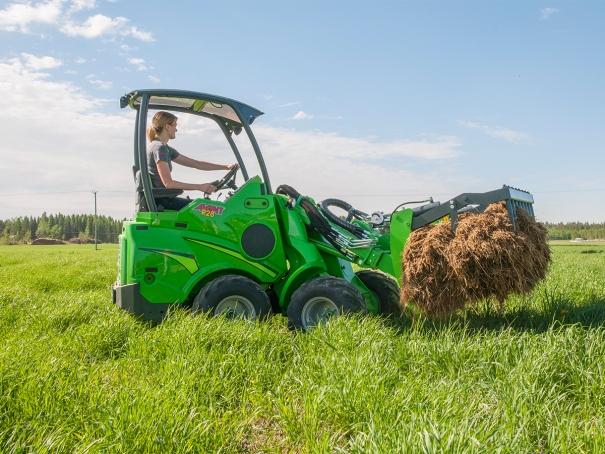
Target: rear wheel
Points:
(385, 288)
(235, 297)
(321, 299)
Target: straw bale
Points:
(443, 272)
(46, 241)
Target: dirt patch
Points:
(444, 272)
(265, 435)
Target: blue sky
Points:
(375, 102)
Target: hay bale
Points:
(46, 241)
(443, 272)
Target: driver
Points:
(160, 158)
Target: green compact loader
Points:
(260, 251)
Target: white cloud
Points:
(546, 12)
(18, 16)
(99, 25)
(103, 85)
(497, 132)
(139, 34)
(38, 63)
(77, 5)
(94, 26)
(127, 48)
(154, 79)
(138, 62)
(352, 148)
(289, 104)
(301, 116)
(70, 71)
(80, 60)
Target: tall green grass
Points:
(79, 375)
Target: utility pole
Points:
(95, 193)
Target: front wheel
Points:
(321, 299)
(235, 297)
(385, 288)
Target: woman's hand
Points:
(206, 188)
(230, 166)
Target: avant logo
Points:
(209, 210)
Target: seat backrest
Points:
(139, 195)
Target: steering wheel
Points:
(226, 180)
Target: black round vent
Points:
(258, 241)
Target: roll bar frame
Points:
(245, 114)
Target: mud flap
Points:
(128, 297)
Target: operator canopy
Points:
(193, 102)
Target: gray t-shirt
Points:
(157, 151)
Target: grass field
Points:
(79, 375)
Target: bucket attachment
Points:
(476, 202)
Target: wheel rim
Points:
(318, 310)
(235, 306)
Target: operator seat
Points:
(139, 198)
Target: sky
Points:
(374, 102)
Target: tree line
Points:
(572, 230)
(24, 229)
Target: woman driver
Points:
(160, 157)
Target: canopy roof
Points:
(183, 101)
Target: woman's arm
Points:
(200, 165)
(166, 176)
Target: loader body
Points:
(279, 242)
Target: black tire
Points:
(235, 296)
(385, 288)
(321, 298)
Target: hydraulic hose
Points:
(352, 212)
(318, 221)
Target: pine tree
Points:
(43, 230)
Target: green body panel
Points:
(184, 250)
(304, 260)
(172, 255)
(401, 227)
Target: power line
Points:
(59, 192)
(330, 195)
(447, 193)
(573, 190)
(41, 193)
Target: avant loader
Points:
(260, 251)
